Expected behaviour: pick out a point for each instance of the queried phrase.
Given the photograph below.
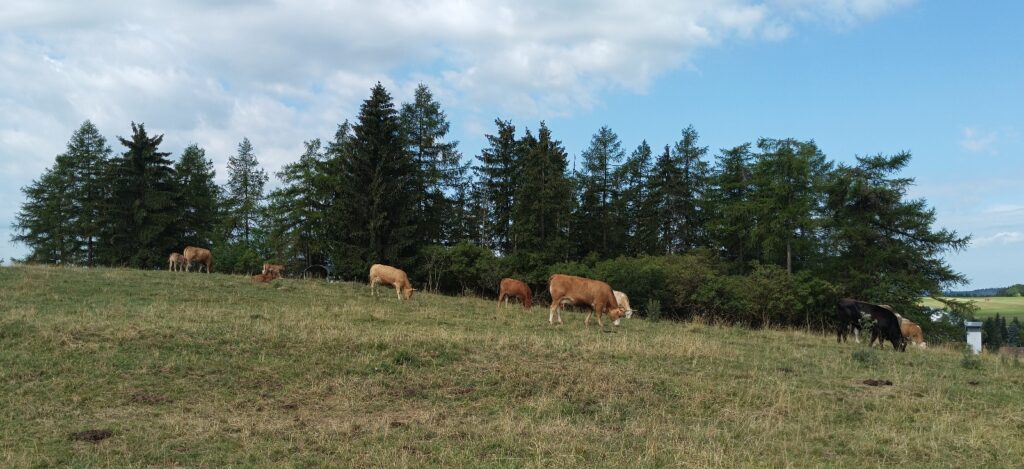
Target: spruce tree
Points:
(296, 210)
(663, 201)
(199, 198)
(244, 194)
(732, 183)
(544, 199)
(595, 224)
(689, 192)
(497, 176)
(377, 175)
(634, 208)
(439, 171)
(141, 223)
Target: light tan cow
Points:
(276, 269)
(912, 332)
(380, 273)
(512, 288)
(200, 255)
(263, 278)
(176, 262)
(623, 302)
(572, 290)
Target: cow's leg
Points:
(398, 291)
(555, 304)
(373, 286)
(500, 295)
(856, 334)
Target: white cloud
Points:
(285, 71)
(1002, 238)
(978, 141)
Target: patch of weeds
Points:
(16, 329)
(866, 357)
(971, 362)
(406, 358)
(653, 309)
(665, 389)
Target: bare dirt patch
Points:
(92, 436)
(878, 382)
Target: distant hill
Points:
(978, 292)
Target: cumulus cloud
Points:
(282, 71)
(1001, 238)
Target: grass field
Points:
(989, 305)
(210, 370)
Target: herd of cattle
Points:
(599, 297)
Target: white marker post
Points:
(974, 335)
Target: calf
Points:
(512, 288)
(887, 325)
(263, 278)
(380, 273)
(200, 255)
(176, 262)
(912, 332)
(568, 289)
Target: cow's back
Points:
(581, 290)
(388, 274)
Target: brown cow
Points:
(512, 288)
(912, 332)
(200, 255)
(263, 278)
(568, 289)
(176, 262)
(380, 273)
(277, 269)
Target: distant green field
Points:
(990, 305)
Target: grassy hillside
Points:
(190, 369)
(990, 305)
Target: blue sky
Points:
(940, 79)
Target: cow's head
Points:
(407, 292)
(616, 314)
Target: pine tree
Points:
(199, 198)
(663, 201)
(595, 227)
(689, 192)
(788, 177)
(497, 180)
(60, 220)
(876, 242)
(296, 210)
(439, 172)
(1013, 333)
(732, 188)
(632, 208)
(141, 223)
(244, 195)
(544, 200)
(377, 175)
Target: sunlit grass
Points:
(212, 370)
(989, 305)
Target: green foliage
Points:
(498, 176)
(544, 201)
(598, 226)
(199, 198)
(865, 356)
(1013, 290)
(244, 197)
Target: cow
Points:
(887, 325)
(512, 288)
(380, 273)
(568, 289)
(911, 331)
(200, 255)
(175, 262)
(277, 269)
(623, 301)
(263, 278)
(848, 321)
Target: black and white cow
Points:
(887, 325)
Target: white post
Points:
(974, 335)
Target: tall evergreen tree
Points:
(595, 227)
(377, 176)
(244, 196)
(61, 218)
(199, 197)
(732, 188)
(296, 210)
(689, 192)
(439, 172)
(878, 244)
(635, 208)
(664, 202)
(544, 199)
(497, 179)
(788, 181)
(141, 223)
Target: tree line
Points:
(392, 187)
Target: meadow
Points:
(989, 305)
(211, 370)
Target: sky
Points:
(942, 80)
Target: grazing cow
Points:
(512, 288)
(200, 255)
(887, 325)
(277, 269)
(380, 273)
(263, 278)
(849, 321)
(567, 289)
(176, 262)
(623, 302)
(913, 333)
